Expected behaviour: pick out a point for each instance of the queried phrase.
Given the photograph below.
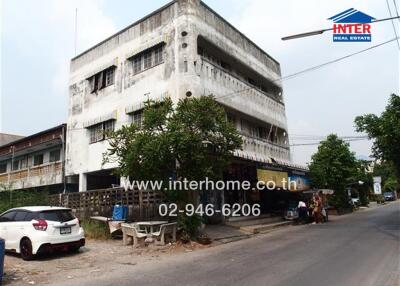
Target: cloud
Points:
(38, 40)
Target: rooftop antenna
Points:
(76, 27)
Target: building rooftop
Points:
(161, 9)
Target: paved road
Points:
(357, 249)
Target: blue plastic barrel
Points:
(120, 212)
(2, 249)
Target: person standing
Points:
(317, 211)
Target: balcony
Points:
(259, 149)
(240, 95)
(36, 176)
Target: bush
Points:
(95, 229)
(20, 198)
(189, 226)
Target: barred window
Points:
(158, 55)
(3, 168)
(99, 131)
(137, 118)
(137, 64)
(108, 127)
(109, 76)
(147, 59)
(55, 155)
(37, 160)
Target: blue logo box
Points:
(352, 37)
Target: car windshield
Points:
(387, 194)
(57, 215)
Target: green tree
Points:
(334, 166)
(194, 140)
(387, 172)
(385, 131)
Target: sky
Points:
(38, 41)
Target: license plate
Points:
(65, 230)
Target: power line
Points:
(336, 60)
(396, 9)
(312, 68)
(317, 143)
(394, 28)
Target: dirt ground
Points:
(96, 258)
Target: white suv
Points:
(33, 230)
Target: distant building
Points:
(7, 138)
(35, 161)
(183, 49)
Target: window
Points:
(57, 215)
(96, 133)
(38, 160)
(231, 118)
(137, 64)
(158, 55)
(8, 216)
(20, 163)
(109, 74)
(144, 60)
(3, 168)
(147, 59)
(20, 216)
(99, 131)
(137, 117)
(15, 165)
(55, 155)
(108, 127)
(102, 79)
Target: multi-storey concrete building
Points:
(183, 49)
(35, 161)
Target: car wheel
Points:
(26, 249)
(74, 249)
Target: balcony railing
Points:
(264, 149)
(31, 175)
(238, 94)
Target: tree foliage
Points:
(192, 141)
(385, 131)
(334, 166)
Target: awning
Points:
(253, 157)
(109, 116)
(113, 63)
(146, 45)
(138, 106)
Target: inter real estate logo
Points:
(351, 26)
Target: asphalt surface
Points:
(362, 248)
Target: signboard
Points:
(274, 176)
(377, 185)
(302, 183)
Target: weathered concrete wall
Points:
(178, 25)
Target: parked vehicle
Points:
(33, 230)
(356, 202)
(389, 196)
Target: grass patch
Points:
(95, 229)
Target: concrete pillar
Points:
(82, 182)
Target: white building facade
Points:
(182, 49)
